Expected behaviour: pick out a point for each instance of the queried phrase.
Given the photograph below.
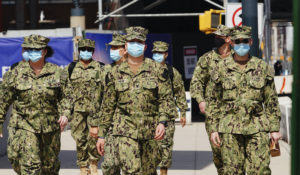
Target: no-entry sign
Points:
(234, 15)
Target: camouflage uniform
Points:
(12, 140)
(166, 145)
(136, 103)
(85, 88)
(38, 103)
(203, 89)
(250, 111)
(111, 165)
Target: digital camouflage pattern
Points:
(137, 157)
(203, 89)
(30, 94)
(160, 46)
(245, 153)
(85, 144)
(249, 111)
(135, 104)
(243, 95)
(241, 32)
(110, 165)
(179, 98)
(85, 89)
(117, 40)
(12, 155)
(86, 43)
(38, 101)
(166, 146)
(35, 41)
(136, 32)
(37, 152)
(222, 30)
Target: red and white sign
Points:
(234, 15)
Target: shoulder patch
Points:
(270, 73)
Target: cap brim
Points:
(34, 46)
(132, 37)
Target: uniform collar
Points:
(231, 64)
(47, 69)
(145, 67)
(93, 64)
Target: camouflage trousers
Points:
(110, 165)
(217, 159)
(243, 154)
(33, 153)
(166, 146)
(12, 153)
(85, 144)
(137, 157)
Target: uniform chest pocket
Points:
(149, 90)
(121, 85)
(23, 89)
(229, 89)
(256, 82)
(52, 88)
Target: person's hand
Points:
(1, 135)
(160, 132)
(182, 121)
(94, 132)
(202, 107)
(63, 121)
(100, 146)
(215, 139)
(275, 136)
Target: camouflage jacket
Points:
(249, 99)
(136, 102)
(13, 118)
(38, 100)
(179, 95)
(202, 88)
(85, 88)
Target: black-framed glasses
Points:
(89, 49)
(239, 41)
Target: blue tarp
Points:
(102, 51)
(11, 51)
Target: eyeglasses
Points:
(33, 49)
(239, 41)
(89, 49)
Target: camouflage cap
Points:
(35, 41)
(86, 43)
(222, 30)
(160, 46)
(136, 32)
(241, 32)
(117, 40)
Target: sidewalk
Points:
(192, 155)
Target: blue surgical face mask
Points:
(35, 55)
(25, 55)
(158, 57)
(86, 55)
(135, 49)
(115, 55)
(241, 49)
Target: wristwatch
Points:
(165, 123)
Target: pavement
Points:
(192, 155)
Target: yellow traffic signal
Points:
(209, 21)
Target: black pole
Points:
(296, 94)
(20, 13)
(268, 30)
(33, 13)
(1, 18)
(249, 10)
